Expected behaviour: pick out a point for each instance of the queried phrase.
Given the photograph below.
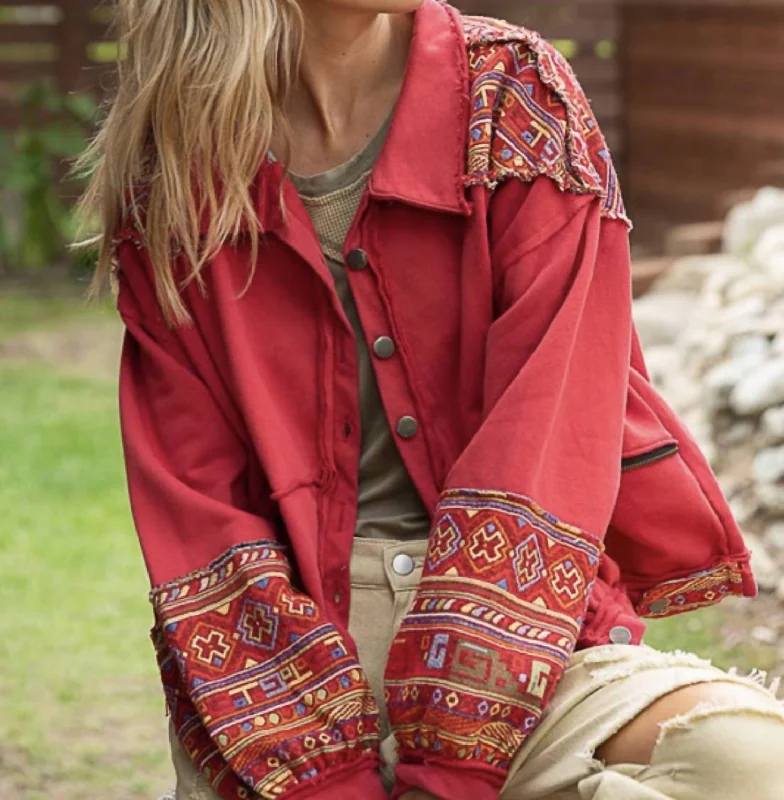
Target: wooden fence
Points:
(63, 40)
(703, 85)
(690, 93)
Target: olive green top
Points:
(389, 506)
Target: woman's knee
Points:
(637, 741)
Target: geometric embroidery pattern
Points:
(210, 646)
(490, 631)
(530, 117)
(487, 545)
(568, 582)
(444, 542)
(263, 693)
(528, 564)
(258, 625)
(693, 591)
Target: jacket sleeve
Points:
(262, 691)
(517, 536)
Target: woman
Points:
(396, 466)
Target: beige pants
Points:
(716, 752)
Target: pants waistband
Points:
(381, 562)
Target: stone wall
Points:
(713, 332)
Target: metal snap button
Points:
(357, 259)
(384, 347)
(407, 427)
(620, 635)
(403, 564)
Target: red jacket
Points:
(492, 246)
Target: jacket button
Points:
(357, 259)
(384, 347)
(403, 564)
(407, 427)
(620, 635)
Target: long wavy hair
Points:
(202, 83)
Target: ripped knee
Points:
(734, 710)
(679, 710)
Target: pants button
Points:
(403, 564)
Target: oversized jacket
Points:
(567, 500)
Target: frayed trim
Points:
(619, 665)
(710, 709)
(759, 679)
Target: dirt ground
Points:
(91, 349)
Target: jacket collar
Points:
(423, 160)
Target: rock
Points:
(688, 274)
(752, 346)
(724, 273)
(762, 388)
(721, 382)
(765, 569)
(780, 595)
(682, 393)
(772, 425)
(660, 317)
(744, 507)
(730, 485)
(700, 428)
(702, 347)
(663, 362)
(768, 256)
(737, 434)
(769, 465)
(774, 536)
(755, 284)
(747, 222)
(743, 316)
(771, 496)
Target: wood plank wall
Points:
(704, 107)
(64, 40)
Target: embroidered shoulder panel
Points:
(531, 118)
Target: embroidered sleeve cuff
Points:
(444, 781)
(263, 693)
(496, 617)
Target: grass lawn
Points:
(82, 711)
(82, 708)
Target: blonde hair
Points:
(203, 82)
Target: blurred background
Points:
(690, 94)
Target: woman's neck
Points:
(352, 70)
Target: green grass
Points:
(700, 632)
(82, 710)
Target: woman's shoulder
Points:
(530, 117)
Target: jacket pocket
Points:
(671, 522)
(649, 458)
